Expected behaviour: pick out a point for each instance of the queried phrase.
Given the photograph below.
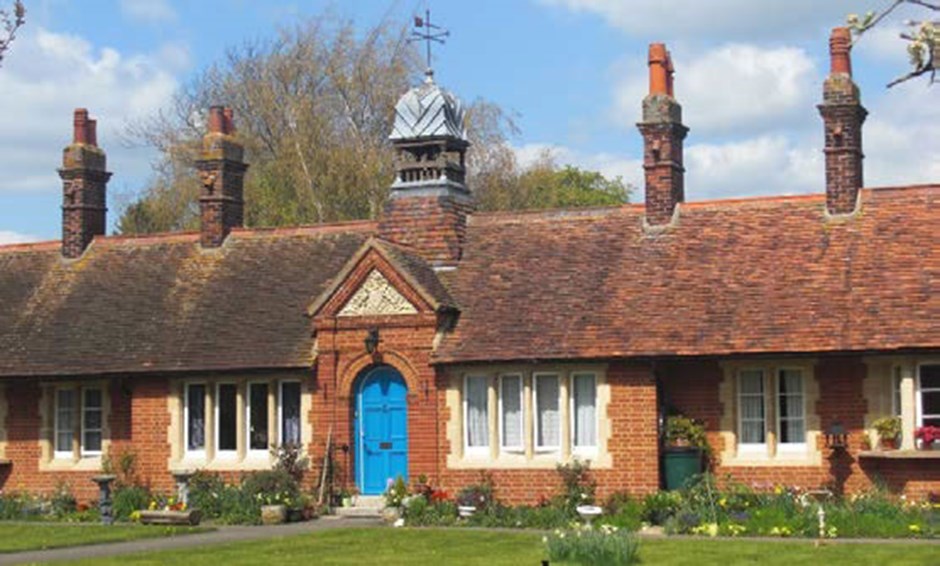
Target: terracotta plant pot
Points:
(273, 514)
(889, 443)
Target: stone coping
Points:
(901, 454)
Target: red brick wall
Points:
(693, 389)
(138, 423)
(633, 446)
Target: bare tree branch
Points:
(11, 23)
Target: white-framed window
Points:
(194, 418)
(791, 410)
(288, 409)
(66, 403)
(257, 420)
(896, 391)
(92, 421)
(226, 420)
(511, 418)
(752, 410)
(584, 411)
(476, 413)
(928, 394)
(547, 392)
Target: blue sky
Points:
(748, 74)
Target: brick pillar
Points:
(843, 114)
(222, 172)
(663, 134)
(84, 183)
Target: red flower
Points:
(928, 434)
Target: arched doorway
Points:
(381, 417)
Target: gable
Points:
(377, 297)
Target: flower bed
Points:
(706, 508)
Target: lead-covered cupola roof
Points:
(428, 111)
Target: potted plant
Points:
(686, 445)
(928, 436)
(889, 430)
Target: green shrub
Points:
(206, 494)
(577, 485)
(605, 546)
(62, 502)
(271, 487)
(420, 513)
(623, 511)
(13, 506)
(126, 500)
(660, 506)
(479, 495)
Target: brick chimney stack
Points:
(843, 114)
(84, 184)
(663, 134)
(222, 172)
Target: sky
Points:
(748, 75)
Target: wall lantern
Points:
(836, 437)
(372, 340)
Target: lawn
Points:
(17, 537)
(479, 547)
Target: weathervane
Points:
(430, 33)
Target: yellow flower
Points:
(914, 528)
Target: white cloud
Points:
(50, 75)
(734, 88)
(7, 237)
(900, 138)
(148, 11)
(763, 165)
(738, 19)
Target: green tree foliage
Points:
(545, 184)
(314, 108)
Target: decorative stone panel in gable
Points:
(377, 296)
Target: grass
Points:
(17, 537)
(480, 547)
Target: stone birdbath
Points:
(104, 482)
(589, 512)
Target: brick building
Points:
(443, 342)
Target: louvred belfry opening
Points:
(429, 202)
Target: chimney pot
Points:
(658, 64)
(229, 124)
(80, 126)
(840, 45)
(216, 120)
(92, 133)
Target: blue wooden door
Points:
(381, 430)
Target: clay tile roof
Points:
(768, 275)
(162, 303)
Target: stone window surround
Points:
(530, 457)
(49, 459)
(773, 453)
(242, 459)
(878, 390)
